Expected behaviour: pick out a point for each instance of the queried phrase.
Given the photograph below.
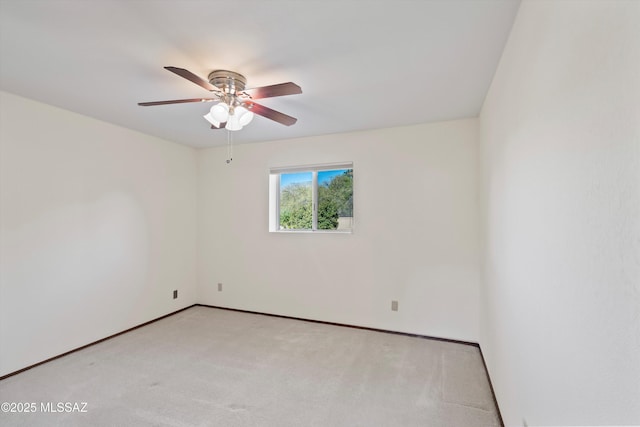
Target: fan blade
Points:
(281, 89)
(222, 126)
(176, 101)
(192, 77)
(274, 115)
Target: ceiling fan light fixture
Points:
(211, 119)
(233, 123)
(244, 116)
(220, 112)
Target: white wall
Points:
(560, 149)
(415, 238)
(97, 227)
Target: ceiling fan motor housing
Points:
(228, 82)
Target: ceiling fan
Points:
(234, 106)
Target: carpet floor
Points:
(212, 367)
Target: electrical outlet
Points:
(219, 287)
(175, 294)
(394, 305)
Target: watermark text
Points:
(46, 407)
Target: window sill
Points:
(312, 231)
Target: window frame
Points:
(274, 196)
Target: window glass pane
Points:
(295, 201)
(335, 199)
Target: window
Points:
(312, 198)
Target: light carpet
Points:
(212, 367)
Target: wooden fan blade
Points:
(222, 126)
(176, 101)
(192, 77)
(274, 115)
(281, 89)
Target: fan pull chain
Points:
(229, 147)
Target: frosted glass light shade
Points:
(235, 118)
(211, 120)
(233, 123)
(220, 112)
(244, 116)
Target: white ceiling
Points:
(361, 64)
